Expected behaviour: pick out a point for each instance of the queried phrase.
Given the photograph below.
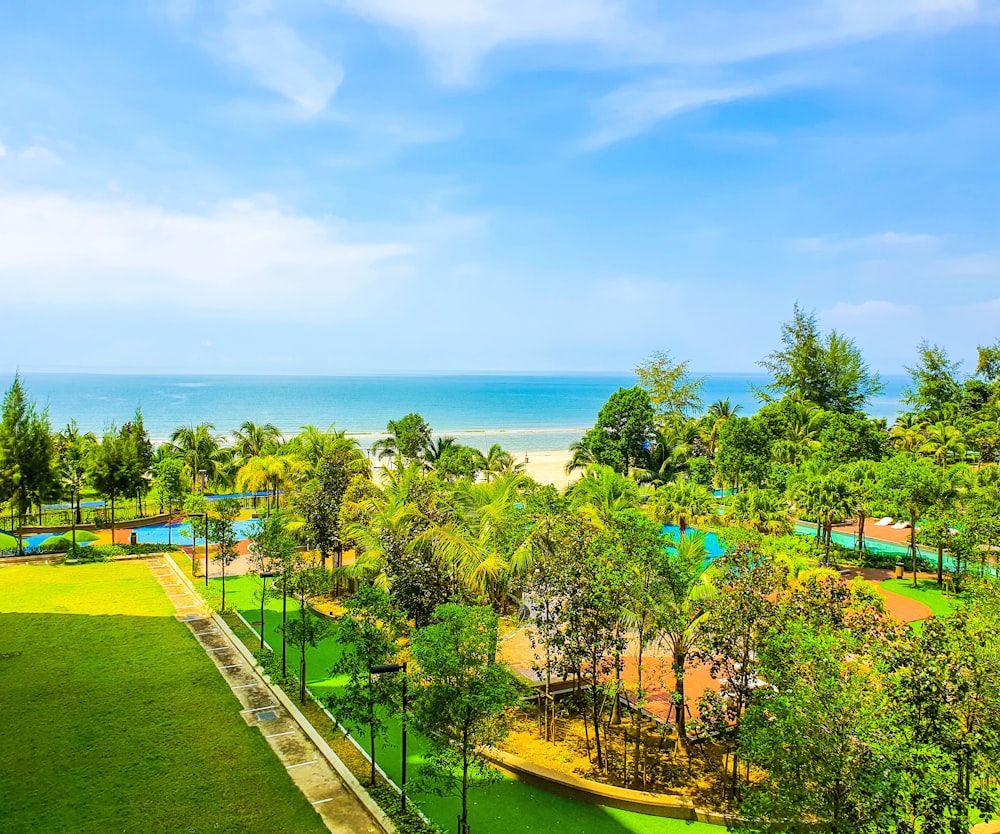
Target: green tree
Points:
(934, 382)
(462, 695)
(303, 581)
(845, 438)
(744, 454)
(944, 443)
(591, 642)
(74, 449)
(170, 482)
(909, 486)
(274, 547)
(27, 453)
(624, 427)
(369, 633)
(138, 450)
(681, 593)
(763, 510)
(732, 636)
(988, 366)
(943, 681)
(683, 503)
(818, 734)
(111, 469)
(223, 532)
(408, 439)
(825, 369)
(672, 389)
(201, 450)
(602, 492)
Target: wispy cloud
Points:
(844, 312)
(278, 59)
(457, 37)
(635, 108)
(242, 254)
(880, 242)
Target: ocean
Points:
(530, 412)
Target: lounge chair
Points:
(900, 525)
(884, 522)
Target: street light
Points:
(194, 536)
(385, 670)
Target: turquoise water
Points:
(531, 412)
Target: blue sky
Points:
(320, 186)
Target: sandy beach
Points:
(548, 467)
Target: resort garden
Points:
(787, 618)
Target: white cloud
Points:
(3, 151)
(845, 313)
(280, 60)
(254, 255)
(880, 242)
(635, 108)
(457, 37)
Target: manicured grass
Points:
(115, 720)
(927, 592)
(502, 807)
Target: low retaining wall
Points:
(585, 790)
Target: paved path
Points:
(340, 809)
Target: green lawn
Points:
(927, 592)
(115, 720)
(504, 807)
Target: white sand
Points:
(548, 467)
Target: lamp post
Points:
(195, 540)
(384, 670)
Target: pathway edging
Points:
(348, 780)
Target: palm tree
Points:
(762, 510)
(602, 492)
(202, 451)
(835, 501)
(907, 433)
(273, 472)
(672, 447)
(74, 449)
(498, 461)
(386, 525)
(683, 503)
(253, 439)
(681, 597)
(863, 478)
(944, 443)
(581, 456)
(476, 537)
(718, 413)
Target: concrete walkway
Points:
(310, 769)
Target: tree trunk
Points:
(680, 661)
(263, 596)
(597, 725)
(913, 546)
(112, 519)
(861, 533)
(284, 622)
(302, 675)
(940, 563)
(465, 779)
